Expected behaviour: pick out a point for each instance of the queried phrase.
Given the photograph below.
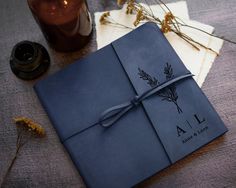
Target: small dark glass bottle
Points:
(66, 24)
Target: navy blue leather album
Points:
(128, 110)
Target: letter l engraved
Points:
(198, 120)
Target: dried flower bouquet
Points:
(170, 23)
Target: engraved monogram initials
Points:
(186, 134)
(180, 130)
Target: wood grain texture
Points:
(45, 163)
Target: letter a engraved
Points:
(179, 131)
(198, 120)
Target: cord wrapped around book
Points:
(113, 114)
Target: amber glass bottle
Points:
(66, 24)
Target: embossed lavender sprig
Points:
(168, 94)
(171, 94)
(152, 81)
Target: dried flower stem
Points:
(106, 19)
(117, 24)
(219, 37)
(19, 144)
(26, 128)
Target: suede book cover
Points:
(128, 110)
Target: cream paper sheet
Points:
(198, 62)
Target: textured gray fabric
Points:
(45, 163)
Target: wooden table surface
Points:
(45, 163)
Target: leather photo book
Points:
(128, 110)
